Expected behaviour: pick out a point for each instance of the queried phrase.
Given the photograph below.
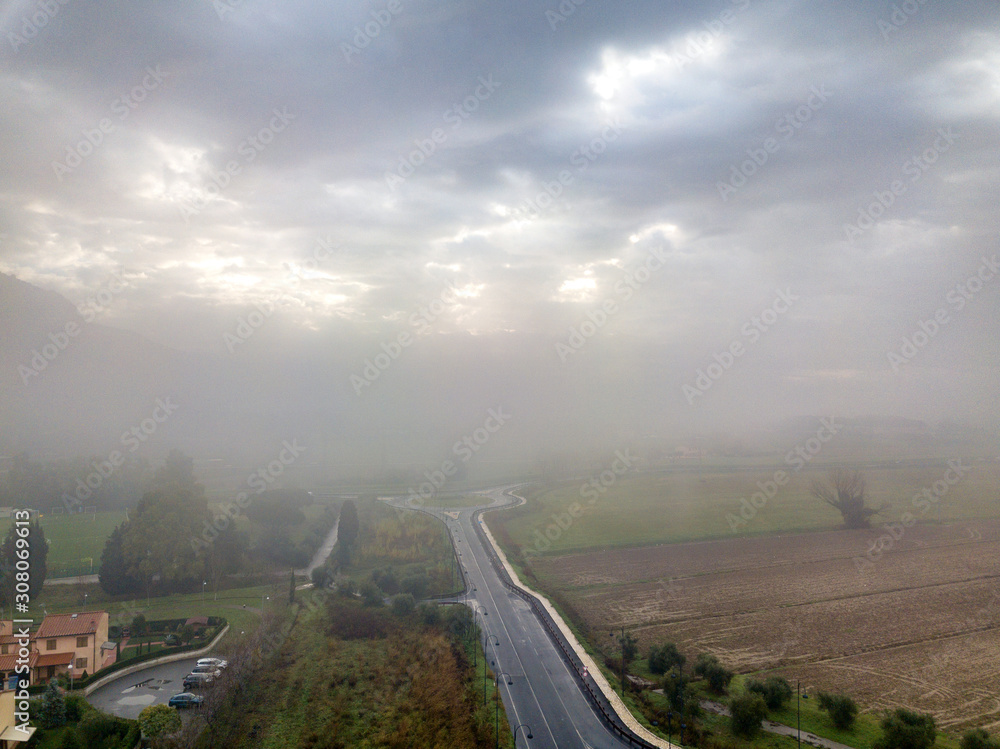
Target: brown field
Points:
(917, 625)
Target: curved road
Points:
(545, 694)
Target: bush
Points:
(99, 729)
(746, 713)
(70, 740)
(429, 614)
(775, 690)
(321, 577)
(662, 659)
(842, 709)
(371, 595)
(906, 729)
(139, 626)
(76, 707)
(159, 720)
(977, 738)
(403, 605)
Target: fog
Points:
(554, 230)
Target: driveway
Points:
(127, 696)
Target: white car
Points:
(216, 662)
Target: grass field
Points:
(669, 507)
(66, 599)
(74, 540)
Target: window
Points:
(81, 642)
(3, 649)
(50, 644)
(81, 663)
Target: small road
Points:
(127, 696)
(325, 549)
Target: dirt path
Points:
(771, 727)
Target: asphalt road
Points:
(544, 694)
(127, 696)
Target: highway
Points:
(544, 694)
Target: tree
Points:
(53, 710)
(164, 537)
(629, 646)
(664, 658)
(159, 720)
(906, 729)
(186, 633)
(708, 667)
(675, 689)
(37, 551)
(746, 713)
(775, 690)
(842, 709)
(348, 527)
(113, 574)
(846, 493)
(978, 738)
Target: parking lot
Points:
(127, 696)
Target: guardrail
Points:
(593, 694)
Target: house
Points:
(65, 640)
(9, 648)
(12, 731)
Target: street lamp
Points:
(477, 609)
(490, 640)
(203, 584)
(262, 599)
(670, 727)
(496, 710)
(622, 642)
(527, 733)
(71, 677)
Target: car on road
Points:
(186, 699)
(216, 662)
(207, 669)
(197, 680)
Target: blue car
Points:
(186, 699)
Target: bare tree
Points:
(846, 492)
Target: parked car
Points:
(186, 699)
(171, 640)
(210, 670)
(197, 680)
(217, 662)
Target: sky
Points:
(747, 208)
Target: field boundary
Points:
(613, 701)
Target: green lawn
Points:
(650, 508)
(62, 599)
(75, 541)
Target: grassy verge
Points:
(349, 676)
